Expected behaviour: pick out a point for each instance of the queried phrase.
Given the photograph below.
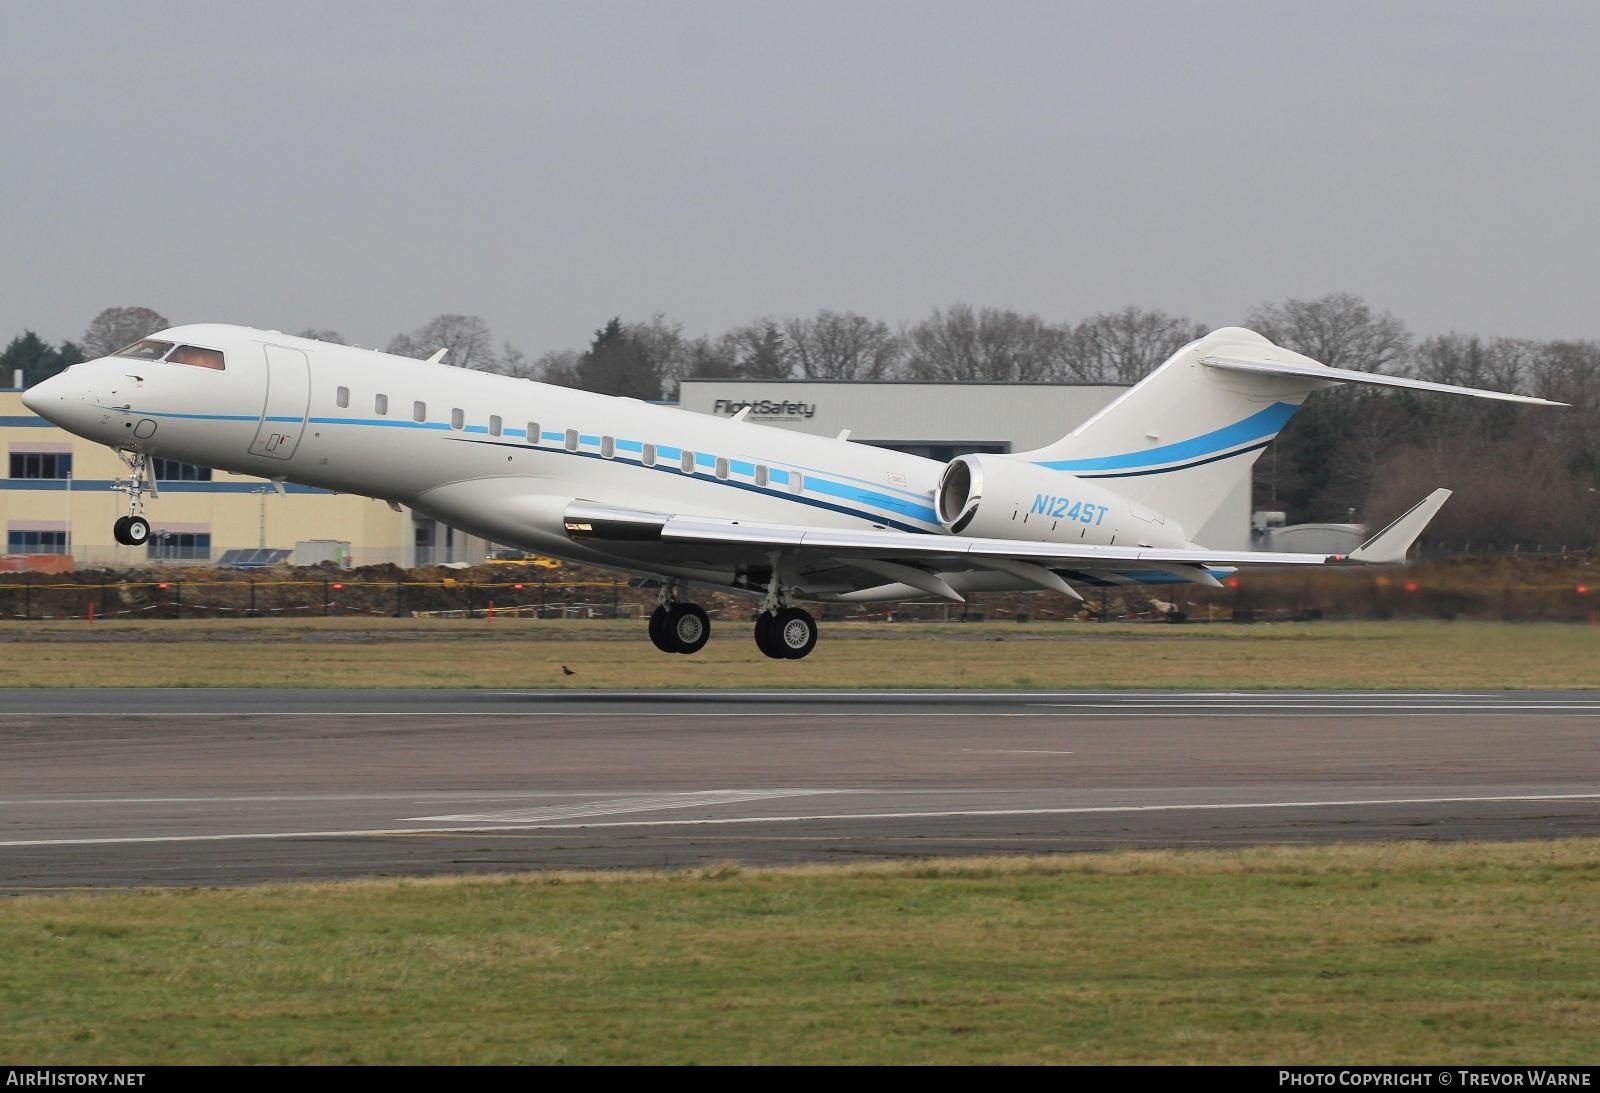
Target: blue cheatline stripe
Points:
(1182, 466)
(813, 482)
(1263, 425)
(29, 422)
(86, 484)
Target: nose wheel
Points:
(131, 530)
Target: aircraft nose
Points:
(54, 399)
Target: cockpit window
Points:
(200, 358)
(148, 350)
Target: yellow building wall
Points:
(230, 507)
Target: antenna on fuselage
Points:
(439, 355)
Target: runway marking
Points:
(1014, 751)
(506, 828)
(654, 802)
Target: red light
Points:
(338, 587)
(517, 586)
(1583, 590)
(161, 585)
(1233, 582)
(1411, 586)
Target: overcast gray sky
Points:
(364, 166)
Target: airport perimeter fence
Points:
(1562, 588)
(175, 598)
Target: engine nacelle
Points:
(998, 497)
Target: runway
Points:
(185, 787)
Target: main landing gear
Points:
(133, 529)
(783, 632)
(678, 627)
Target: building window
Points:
(648, 455)
(797, 482)
(380, 405)
(686, 463)
(179, 545)
(36, 542)
(533, 432)
(608, 447)
(722, 467)
(458, 418)
(419, 411)
(761, 474)
(572, 440)
(494, 425)
(170, 470)
(41, 464)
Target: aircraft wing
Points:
(862, 558)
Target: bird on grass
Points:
(567, 671)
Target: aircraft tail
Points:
(1185, 437)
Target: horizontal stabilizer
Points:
(1350, 375)
(1389, 546)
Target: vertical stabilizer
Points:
(1184, 437)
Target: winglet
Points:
(1390, 545)
(438, 355)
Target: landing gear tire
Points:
(131, 530)
(658, 631)
(766, 640)
(686, 628)
(789, 635)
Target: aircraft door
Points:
(283, 416)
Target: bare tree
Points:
(847, 346)
(962, 343)
(316, 335)
(116, 327)
(1125, 346)
(465, 338)
(1340, 330)
(559, 366)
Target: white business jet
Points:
(689, 499)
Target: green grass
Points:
(607, 654)
(1401, 954)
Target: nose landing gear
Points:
(133, 529)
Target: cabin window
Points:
(797, 482)
(199, 358)
(722, 467)
(648, 455)
(608, 447)
(341, 395)
(686, 464)
(761, 474)
(380, 405)
(533, 432)
(458, 418)
(494, 425)
(148, 350)
(419, 411)
(572, 440)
